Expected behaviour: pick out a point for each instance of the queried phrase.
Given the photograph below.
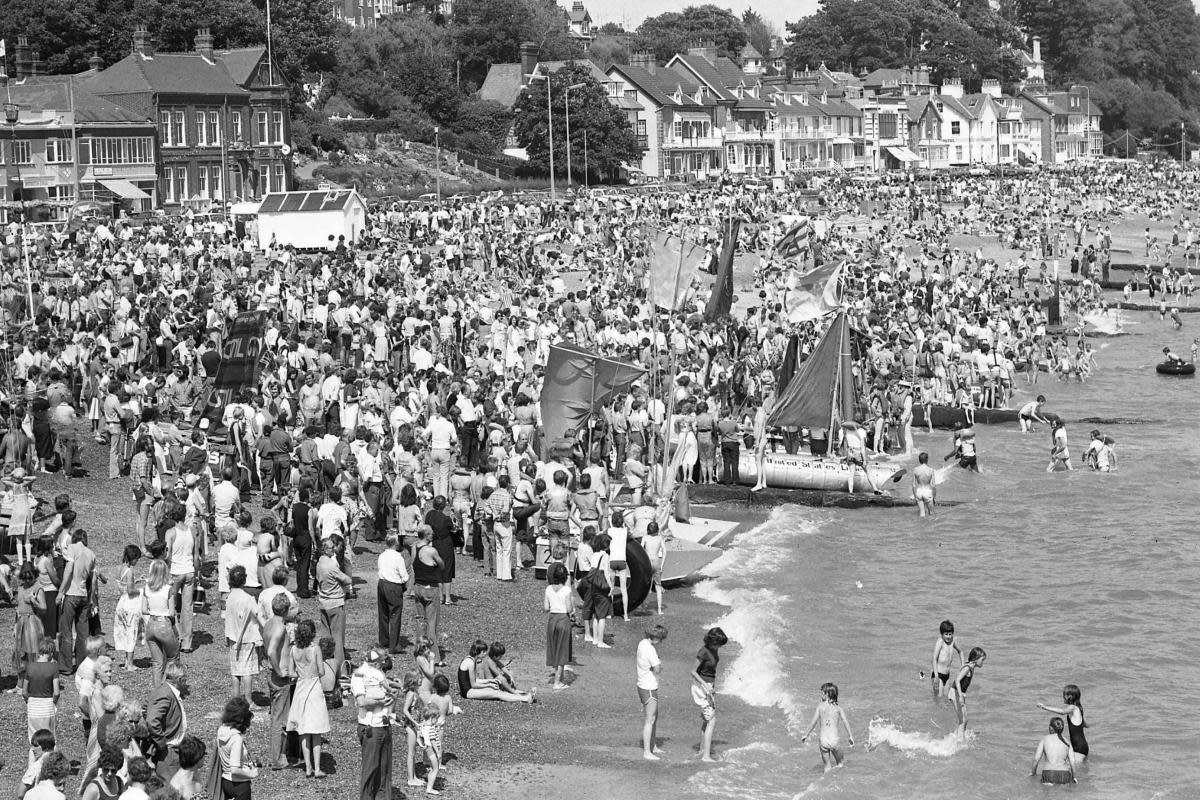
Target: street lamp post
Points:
(437, 167)
(549, 128)
(12, 113)
(567, 102)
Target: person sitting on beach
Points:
(1059, 756)
(475, 684)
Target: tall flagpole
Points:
(270, 59)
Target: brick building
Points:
(223, 126)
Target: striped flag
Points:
(796, 240)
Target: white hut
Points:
(311, 220)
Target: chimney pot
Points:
(95, 63)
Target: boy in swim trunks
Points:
(831, 716)
(1029, 414)
(943, 657)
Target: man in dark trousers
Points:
(167, 721)
(371, 698)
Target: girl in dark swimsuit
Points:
(962, 682)
(1073, 711)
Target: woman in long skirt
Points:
(28, 631)
(559, 603)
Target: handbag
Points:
(597, 580)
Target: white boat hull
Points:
(786, 471)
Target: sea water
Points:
(1071, 577)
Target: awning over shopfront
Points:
(843, 140)
(124, 189)
(903, 154)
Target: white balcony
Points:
(693, 143)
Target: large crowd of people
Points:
(398, 404)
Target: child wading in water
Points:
(962, 681)
(830, 715)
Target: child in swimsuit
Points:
(943, 657)
(831, 717)
(962, 682)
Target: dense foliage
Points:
(610, 139)
(1138, 57)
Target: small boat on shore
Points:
(952, 417)
(1179, 368)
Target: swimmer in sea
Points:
(1072, 710)
(923, 489)
(1091, 455)
(943, 657)
(1060, 757)
(962, 682)
(831, 717)
(1060, 453)
(964, 450)
(1171, 357)
(1031, 412)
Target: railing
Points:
(695, 142)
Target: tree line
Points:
(1138, 57)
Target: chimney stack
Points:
(204, 43)
(952, 87)
(1037, 49)
(143, 45)
(529, 61)
(95, 63)
(991, 87)
(645, 60)
(21, 57)
(706, 49)
(35, 63)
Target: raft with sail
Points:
(820, 395)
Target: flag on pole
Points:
(674, 263)
(721, 299)
(3, 60)
(796, 240)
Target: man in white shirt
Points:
(441, 436)
(393, 581)
(225, 496)
(332, 517)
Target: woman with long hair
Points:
(141, 477)
(28, 631)
(158, 613)
(308, 716)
